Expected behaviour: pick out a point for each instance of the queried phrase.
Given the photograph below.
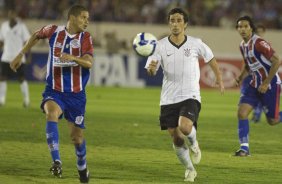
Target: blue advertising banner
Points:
(108, 70)
(127, 70)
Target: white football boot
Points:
(190, 175)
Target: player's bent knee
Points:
(186, 129)
(52, 116)
(76, 140)
(242, 114)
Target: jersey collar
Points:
(178, 46)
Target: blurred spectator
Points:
(112, 44)
(221, 13)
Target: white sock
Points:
(192, 137)
(3, 89)
(25, 91)
(183, 156)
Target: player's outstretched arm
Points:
(17, 61)
(216, 71)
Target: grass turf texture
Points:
(125, 145)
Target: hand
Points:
(66, 57)
(263, 87)
(220, 84)
(16, 63)
(152, 68)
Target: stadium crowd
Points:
(218, 13)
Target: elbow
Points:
(88, 66)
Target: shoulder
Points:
(50, 27)
(47, 31)
(163, 40)
(87, 34)
(261, 43)
(191, 39)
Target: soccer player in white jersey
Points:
(13, 35)
(69, 61)
(262, 62)
(178, 55)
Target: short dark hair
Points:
(180, 11)
(75, 10)
(249, 19)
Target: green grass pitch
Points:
(126, 146)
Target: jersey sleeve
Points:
(205, 51)
(156, 56)
(87, 45)
(264, 48)
(46, 31)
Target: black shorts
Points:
(7, 73)
(170, 113)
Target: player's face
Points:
(177, 24)
(81, 21)
(244, 29)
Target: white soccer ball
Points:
(144, 44)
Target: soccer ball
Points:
(144, 44)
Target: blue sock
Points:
(80, 151)
(52, 136)
(243, 132)
(280, 116)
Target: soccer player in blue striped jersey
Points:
(69, 61)
(263, 62)
(260, 31)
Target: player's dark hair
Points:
(249, 19)
(75, 10)
(180, 11)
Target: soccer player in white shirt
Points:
(13, 35)
(178, 55)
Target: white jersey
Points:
(181, 69)
(14, 39)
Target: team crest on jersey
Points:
(75, 43)
(187, 52)
(79, 120)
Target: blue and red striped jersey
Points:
(257, 53)
(66, 76)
